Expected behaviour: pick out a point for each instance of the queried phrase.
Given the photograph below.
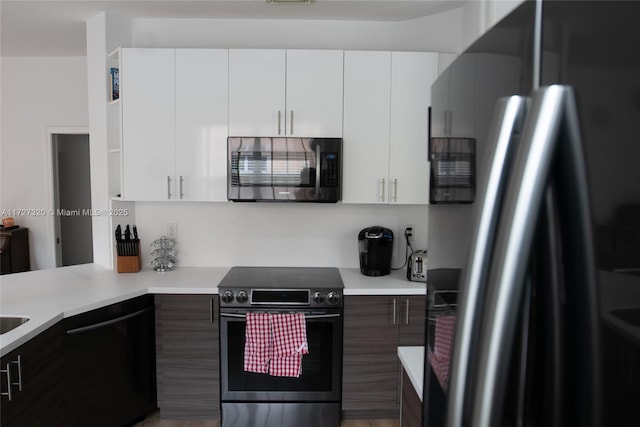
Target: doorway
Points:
(72, 199)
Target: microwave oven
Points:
(453, 170)
(284, 169)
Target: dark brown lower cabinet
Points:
(374, 327)
(37, 382)
(411, 409)
(187, 356)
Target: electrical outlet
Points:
(409, 232)
(172, 230)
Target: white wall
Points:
(223, 234)
(36, 93)
(440, 33)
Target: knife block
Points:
(129, 263)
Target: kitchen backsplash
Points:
(226, 234)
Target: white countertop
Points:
(412, 359)
(47, 296)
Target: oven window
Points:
(317, 366)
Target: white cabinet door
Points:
(256, 92)
(367, 98)
(314, 93)
(201, 124)
(147, 88)
(412, 74)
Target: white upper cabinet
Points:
(386, 126)
(256, 92)
(285, 93)
(147, 85)
(174, 124)
(367, 100)
(411, 77)
(201, 124)
(314, 93)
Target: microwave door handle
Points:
(508, 120)
(318, 166)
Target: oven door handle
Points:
(309, 316)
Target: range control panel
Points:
(237, 297)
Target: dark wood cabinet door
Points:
(187, 356)
(41, 400)
(370, 362)
(412, 320)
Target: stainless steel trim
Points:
(279, 122)
(406, 316)
(291, 124)
(18, 362)
(8, 372)
(181, 181)
(505, 286)
(168, 187)
(537, 45)
(318, 168)
(395, 189)
(508, 121)
(395, 304)
(107, 322)
(280, 302)
(306, 316)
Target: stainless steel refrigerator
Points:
(545, 262)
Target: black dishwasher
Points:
(110, 364)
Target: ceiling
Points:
(57, 28)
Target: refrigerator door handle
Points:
(552, 119)
(507, 125)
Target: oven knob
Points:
(333, 298)
(227, 297)
(318, 297)
(242, 297)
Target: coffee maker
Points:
(376, 247)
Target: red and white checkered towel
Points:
(258, 348)
(275, 343)
(289, 344)
(440, 358)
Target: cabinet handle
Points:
(395, 306)
(181, 181)
(291, 122)
(395, 189)
(8, 372)
(168, 187)
(381, 190)
(19, 363)
(279, 122)
(406, 315)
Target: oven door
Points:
(321, 368)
